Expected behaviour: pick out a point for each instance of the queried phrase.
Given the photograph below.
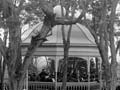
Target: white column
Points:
(100, 73)
(25, 83)
(56, 70)
(88, 71)
(27, 80)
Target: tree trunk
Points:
(113, 76)
(66, 51)
(106, 66)
(2, 75)
(16, 83)
(17, 68)
(110, 74)
(66, 44)
(2, 69)
(107, 77)
(14, 60)
(113, 66)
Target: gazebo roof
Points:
(80, 35)
(80, 38)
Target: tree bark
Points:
(2, 75)
(17, 69)
(14, 54)
(66, 51)
(109, 74)
(106, 66)
(15, 83)
(113, 66)
(66, 44)
(2, 70)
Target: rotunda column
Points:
(88, 71)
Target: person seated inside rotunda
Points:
(77, 70)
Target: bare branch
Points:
(63, 31)
(21, 5)
(46, 8)
(70, 28)
(118, 46)
(92, 32)
(117, 33)
(113, 11)
(2, 48)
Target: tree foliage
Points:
(102, 28)
(15, 13)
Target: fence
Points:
(70, 86)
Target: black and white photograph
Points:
(59, 44)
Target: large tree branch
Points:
(94, 34)
(35, 43)
(87, 24)
(118, 46)
(63, 21)
(46, 8)
(20, 5)
(112, 18)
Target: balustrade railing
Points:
(41, 86)
(70, 86)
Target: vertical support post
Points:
(57, 59)
(27, 80)
(56, 70)
(88, 71)
(100, 74)
(25, 84)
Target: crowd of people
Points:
(43, 76)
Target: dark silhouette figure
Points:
(118, 88)
(32, 77)
(43, 75)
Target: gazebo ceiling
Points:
(82, 42)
